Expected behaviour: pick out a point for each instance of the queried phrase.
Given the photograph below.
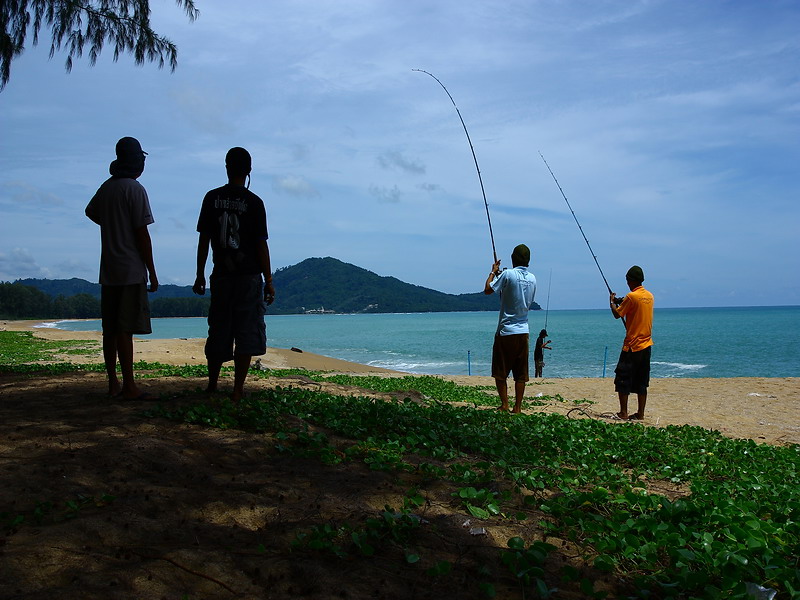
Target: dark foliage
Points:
(87, 24)
(21, 301)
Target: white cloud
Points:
(395, 159)
(386, 195)
(294, 185)
(19, 263)
(20, 195)
(74, 268)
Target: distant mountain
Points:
(333, 285)
(316, 285)
(70, 287)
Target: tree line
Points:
(19, 301)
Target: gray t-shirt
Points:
(120, 206)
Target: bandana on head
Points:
(130, 159)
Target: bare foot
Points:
(623, 416)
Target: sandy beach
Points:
(763, 409)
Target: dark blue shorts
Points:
(236, 317)
(633, 372)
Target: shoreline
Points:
(765, 409)
(186, 351)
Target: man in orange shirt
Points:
(633, 368)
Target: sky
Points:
(672, 126)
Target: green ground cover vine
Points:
(740, 522)
(429, 386)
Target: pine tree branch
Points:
(74, 24)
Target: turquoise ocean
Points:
(688, 342)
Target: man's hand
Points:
(487, 287)
(269, 292)
(199, 286)
(153, 284)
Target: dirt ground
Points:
(121, 506)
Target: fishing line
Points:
(594, 256)
(547, 310)
(576, 221)
(475, 158)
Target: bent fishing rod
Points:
(475, 158)
(594, 256)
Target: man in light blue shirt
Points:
(517, 288)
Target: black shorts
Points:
(510, 355)
(125, 309)
(236, 317)
(633, 372)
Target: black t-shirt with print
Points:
(234, 218)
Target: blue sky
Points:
(673, 128)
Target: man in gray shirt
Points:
(517, 288)
(121, 208)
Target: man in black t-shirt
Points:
(538, 352)
(233, 223)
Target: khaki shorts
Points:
(125, 309)
(510, 355)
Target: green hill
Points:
(70, 287)
(312, 285)
(330, 284)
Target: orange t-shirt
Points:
(637, 308)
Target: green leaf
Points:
(442, 567)
(487, 589)
(604, 563)
(478, 512)
(516, 543)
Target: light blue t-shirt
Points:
(516, 287)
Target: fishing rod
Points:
(475, 158)
(594, 256)
(579, 225)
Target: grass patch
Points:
(21, 347)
